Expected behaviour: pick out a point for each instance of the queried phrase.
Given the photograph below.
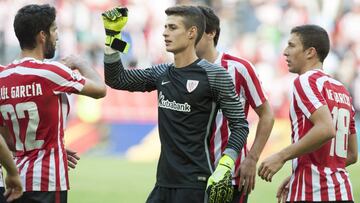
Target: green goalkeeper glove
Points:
(114, 20)
(219, 186)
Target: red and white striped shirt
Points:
(1, 173)
(33, 106)
(250, 91)
(321, 175)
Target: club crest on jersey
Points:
(76, 76)
(191, 85)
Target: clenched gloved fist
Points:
(219, 186)
(114, 20)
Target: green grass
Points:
(115, 180)
(110, 180)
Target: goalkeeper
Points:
(190, 92)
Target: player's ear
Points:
(311, 52)
(211, 34)
(42, 36)
(192, 32)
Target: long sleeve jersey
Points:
(188, 100)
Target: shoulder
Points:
(39, 67)
(52, 70)
(159, 68)
(164, 65)
(56, 66)
(236, 60)
(310, 77)
(210, 66)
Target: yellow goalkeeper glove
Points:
(219, 186)
(114, 20)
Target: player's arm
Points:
(116, 76)
(321, 132)
(219, 187)
(12, 180)
(233, 110)
(94, 85)
(256, 97)
(352, 153)
(4, 131)
(263, 130)
(248, 166)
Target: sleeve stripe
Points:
(305, 93)
(309, 90)
(301, 104)
(133, 80)
(224, 94)
(244, 69)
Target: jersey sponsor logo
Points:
(164, 82)
(173, 105)
(191, 85)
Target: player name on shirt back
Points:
(21, 91)
(338, 97)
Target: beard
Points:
(49, 51)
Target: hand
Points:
(74, 62)
(283, 190)
(14, 188)
(72, 158)
(270, 166)
(114, 20)
(247, 172)
(219, 186)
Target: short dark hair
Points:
(30, 20)
(212, 22)
(192, 15)
(314, 36)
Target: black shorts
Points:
(176, 195)
(43, 197)
(2, 198)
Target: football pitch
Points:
(116, 180)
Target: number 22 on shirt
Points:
(14, 113)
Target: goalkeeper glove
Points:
(219, 186)
(114, 20)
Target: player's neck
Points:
(35, 53)
(311, 66)
(185, 58)
(211, 55)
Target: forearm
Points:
(6, 158)
(352, 154)
(312, 140)
(238, 136)
(117, 77)
(263, 131)
(4, 132)
(113, 71)
(89, 72)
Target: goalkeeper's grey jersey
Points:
(188, 100)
